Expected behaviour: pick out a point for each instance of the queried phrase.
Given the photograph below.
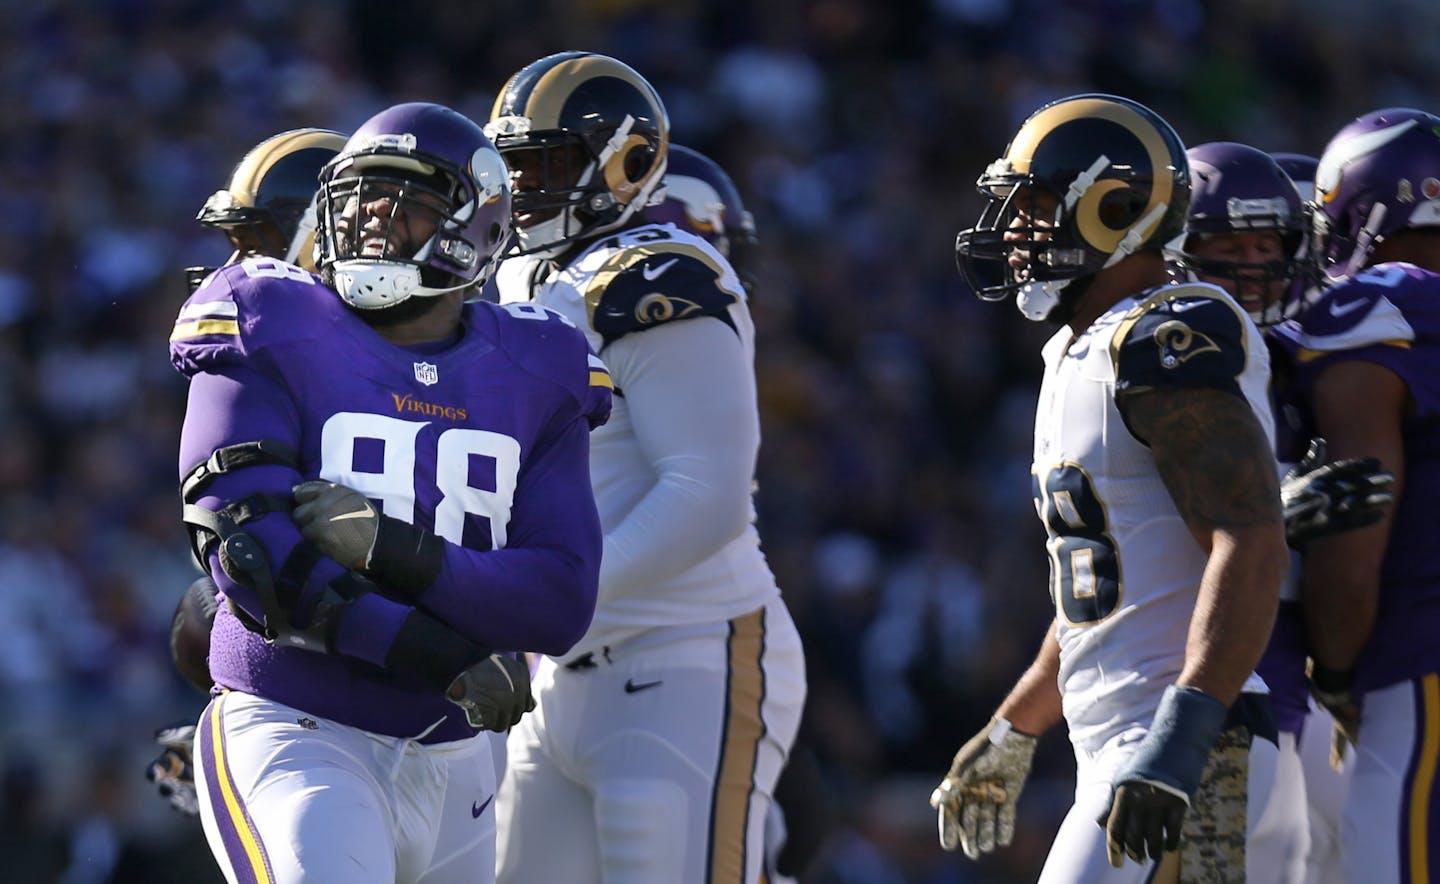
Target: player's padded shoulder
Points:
(247, 312)
(549, 346)
(648, 284)
(1182, 337)
(1386, 304)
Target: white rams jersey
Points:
(619, 291)
(1125, 570)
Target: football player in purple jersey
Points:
(1370, 363)
(388, 485)
(1154, 475)
(1246, 233)
(657, 741)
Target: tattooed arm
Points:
(1216, 462)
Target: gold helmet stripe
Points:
(548, 94)
(1093, 231)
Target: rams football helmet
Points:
(1235, 188)
(417, 203)
(587, 139)
(1119, 179)
(701, 199)
(1379, 174)
(267, 207)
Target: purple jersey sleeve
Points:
(1294, 424)
(1390, 316)
(537, 593)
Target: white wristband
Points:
(999, 731)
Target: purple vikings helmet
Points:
(412, 166)
(1301, 169)
(1120, 176)
(1378, 175)
(701, 199)
(1235, 188)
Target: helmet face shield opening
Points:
(1017, 240)
(549, 173)
(386, 218)
(417, 204)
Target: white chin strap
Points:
(1037, 300)
(548, 238)
(371, 285)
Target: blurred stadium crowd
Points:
(894, 490)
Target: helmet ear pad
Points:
(1120, 208)
(629, 168)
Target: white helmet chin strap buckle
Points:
(1037, 300)
(372, 285)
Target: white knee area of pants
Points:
(642, 827)
(1277, 823)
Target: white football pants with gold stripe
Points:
(656, 763)
(1078, 854)
(1390, 826)
(288, 797)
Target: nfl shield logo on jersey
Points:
(426, 373)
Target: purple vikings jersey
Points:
(1283, 664)
(483, 440)
(1390, 315)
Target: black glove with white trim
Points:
(1328, 498)
(495, 693)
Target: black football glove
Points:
(1152, 790)
(340, 521)
(344, 525)
(1327, 498)
(495, 693)
(171, 772)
